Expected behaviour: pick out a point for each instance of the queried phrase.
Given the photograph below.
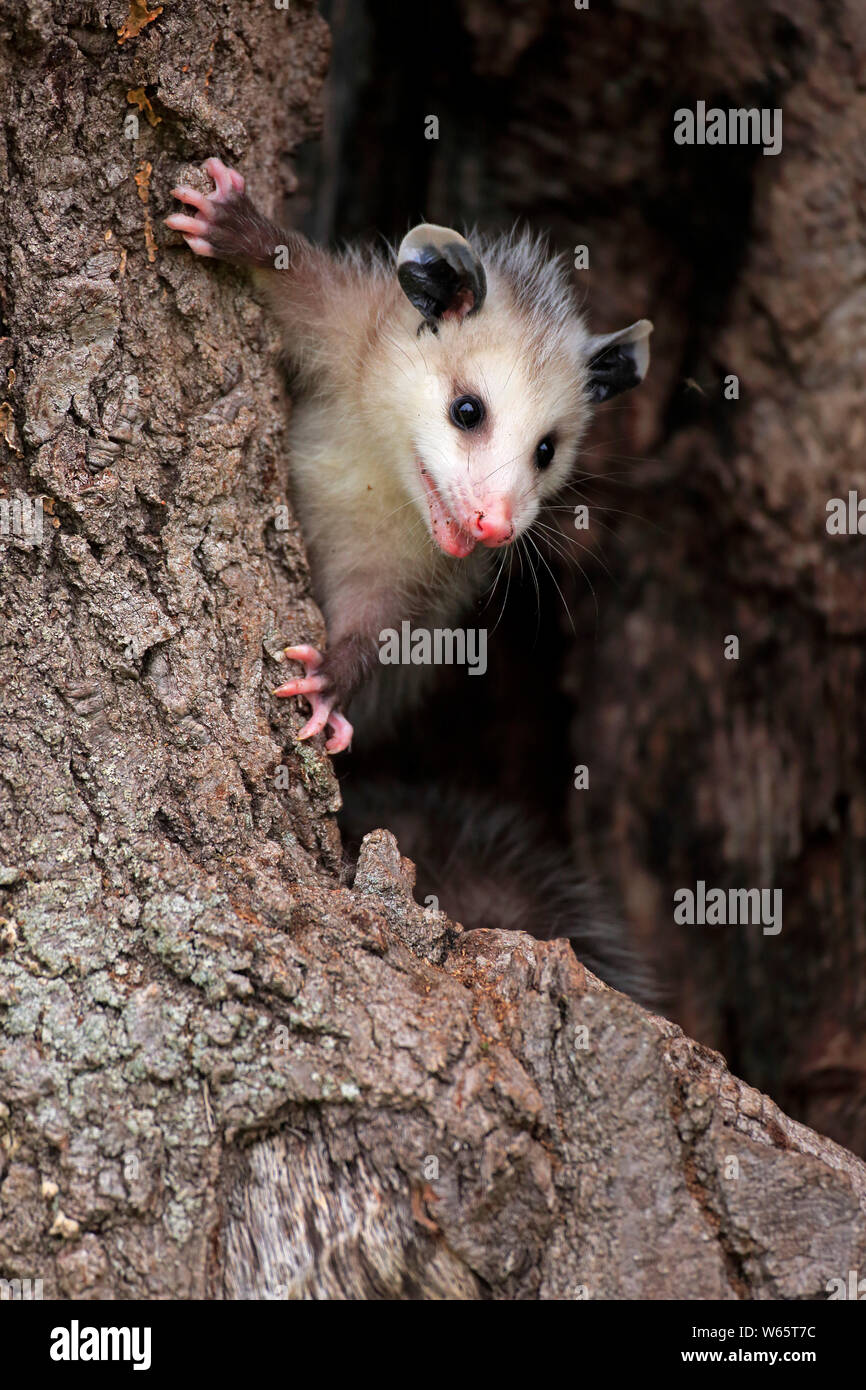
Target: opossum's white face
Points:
(491, 393)
(493, 432)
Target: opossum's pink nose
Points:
(493, 526)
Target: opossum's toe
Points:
(304, 685)
(194, 230)
(227, 180)
(310, 657)
(318, 719)
(343, 732)
(310, 683)
(325, 716)
(195, 226)
(192, 197)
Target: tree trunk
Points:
(223, 1073)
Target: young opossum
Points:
(488, 864)
(437, 408)
(443, 395)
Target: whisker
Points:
(520, 541)
(612, 511)
(556, 584)
(551, 531)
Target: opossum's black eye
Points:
(544, 453)
(467, 412)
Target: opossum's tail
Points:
(488, 864)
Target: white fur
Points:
(375, 402)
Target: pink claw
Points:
(305, 685)
(343, 732)
(307, 654)
(323, 713)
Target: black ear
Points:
(618, 361)
(440, 273)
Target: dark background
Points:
(707, 514)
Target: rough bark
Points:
(223, 1073)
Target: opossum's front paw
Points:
(199, 232)
(322, 697)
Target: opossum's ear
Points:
(440, 273)
(618, 361)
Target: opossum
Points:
(441, 397)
